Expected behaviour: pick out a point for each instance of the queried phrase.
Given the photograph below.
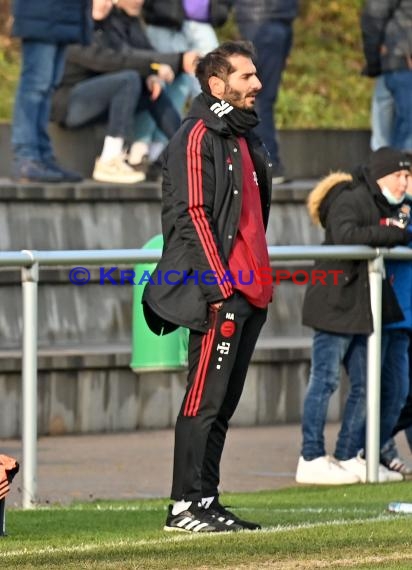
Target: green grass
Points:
(344, 527)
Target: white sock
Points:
(180, 506)
(138, 150)
(206, 502)
(155, 150)
(112, 147)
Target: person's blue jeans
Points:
(329, 351)
(394, 379)
(399, 84)
(178, 92)
(118, 96)
(42, 69)
(273, 41)
(382, 115)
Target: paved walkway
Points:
(139, 464)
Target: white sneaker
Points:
(116, 171)
(138, 153)
(357, 466)
(323, 471)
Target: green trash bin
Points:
(150, 352)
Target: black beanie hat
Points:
(386, 160)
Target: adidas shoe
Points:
(226, 516)
(196, 519)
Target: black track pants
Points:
(218, 363)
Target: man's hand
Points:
(216, 306)
(154, 86)
(190, 61)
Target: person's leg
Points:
(382, 115)
(46, 150)
(394, 380)
(34, 90)
(147, 133)
(272, 40)
(36, 80)
(399, 84)
(218, 430)
(116, 96)
(200, 36)
(212, 358)
(350, 438)
(167, 40)
(163, 112)
(315, 466)
(328, 352)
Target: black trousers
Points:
(218, 363)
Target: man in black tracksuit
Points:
(216, 199)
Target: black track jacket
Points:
(202, 197)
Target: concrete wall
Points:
(307, 153)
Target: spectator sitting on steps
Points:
(112, 78)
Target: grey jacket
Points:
(387, 35)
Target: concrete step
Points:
(118, 354)
(89, 190)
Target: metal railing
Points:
(30, 261)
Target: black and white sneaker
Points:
(197, 519)
(224, 515)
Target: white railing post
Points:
(376, 269)
(29, 277)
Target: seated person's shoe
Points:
(29, 170)
(116, 171)
(67, 175)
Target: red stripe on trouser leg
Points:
(195, 393)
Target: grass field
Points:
(304, 527)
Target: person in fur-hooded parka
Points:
(349, 207)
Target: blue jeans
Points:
(329, 351)
(394, 379)
(272, 40)
(42, 69)
(118, 96)
(399, 84)
(382, 115)
(178, 93)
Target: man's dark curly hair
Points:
(216, 62)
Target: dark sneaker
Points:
(196, 519)
(66, 174)
(28, 170)
(224, 515)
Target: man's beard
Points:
(235, 98)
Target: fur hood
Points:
(321, 197)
